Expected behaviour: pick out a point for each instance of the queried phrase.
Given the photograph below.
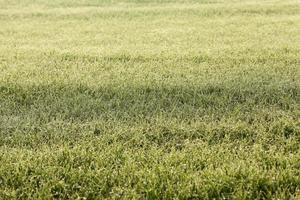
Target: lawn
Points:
(150, 99)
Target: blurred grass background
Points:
(149, 99)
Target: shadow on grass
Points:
(79, 102)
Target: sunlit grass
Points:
(178, 99)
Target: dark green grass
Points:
(149, 99)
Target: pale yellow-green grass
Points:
(149, 99)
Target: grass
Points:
(149, 99)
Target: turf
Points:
(149, 99)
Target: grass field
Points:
(150, 99)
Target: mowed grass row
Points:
(138, 99)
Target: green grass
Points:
(150, 99)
